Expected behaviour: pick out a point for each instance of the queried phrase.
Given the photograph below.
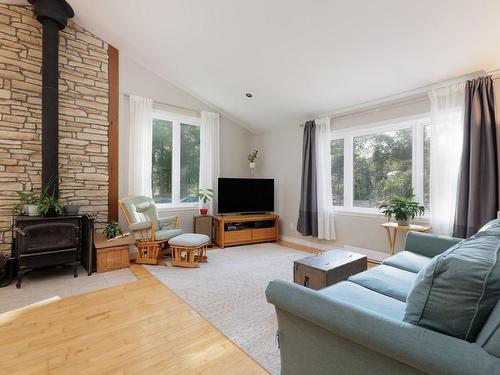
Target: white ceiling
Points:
(298, 58)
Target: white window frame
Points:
(176, 120)
(417, 125)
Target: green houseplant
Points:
(205, 196)
(112, 230)
(28, 204)
(252, 156)
(48, 204)
(403, 208)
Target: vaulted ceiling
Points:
(298, 58)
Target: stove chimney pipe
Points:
(53, 15)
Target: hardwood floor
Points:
(136, 328)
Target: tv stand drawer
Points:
(263, 233)
(238, 235)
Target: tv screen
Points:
(237, 195)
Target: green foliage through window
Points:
(382, 166)
(337, 152)
(190, 162)
(162, 161)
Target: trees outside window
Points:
(338, 172)
(370, 165)
(162, 161)
(190, 162)
(382, 167)
(175, 159)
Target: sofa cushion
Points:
(355, 294)
(456, 292)
(408, 261)
(489, 337)
(387, 280)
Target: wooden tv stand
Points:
(248, 231)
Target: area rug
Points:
(229, 292)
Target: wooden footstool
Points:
(189, 249)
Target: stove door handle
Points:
(18, 230)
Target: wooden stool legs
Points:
(189, 256)
(202, 255)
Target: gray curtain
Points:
(308, 209)
(478, 199)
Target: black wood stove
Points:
(47, 241)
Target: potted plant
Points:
(205, 196)
(71, 209)
(49, 205)
(252, 156)
(28, 204)
(403, 208)
(112, 230)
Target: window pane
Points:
(382, 167)
(162, 161)
(190, 162)
(338, 172)
(427, 166)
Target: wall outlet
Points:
(292, 225)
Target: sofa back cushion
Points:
(489, 337)
(456, 292)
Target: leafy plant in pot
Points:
(112, 230)
(49, 205)
(252, 156)
(403, 208)
(27, 205)
(205, 196)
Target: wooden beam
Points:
(113, 132)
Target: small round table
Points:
(393, 228)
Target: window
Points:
(176, 159)
(162, 161)
(371, 165)
(338, 172)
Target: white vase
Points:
(252, 165)
(32, 210)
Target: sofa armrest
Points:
(428, 244)
(169, 222)
(417, 347)
(140, 226)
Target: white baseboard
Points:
(371, 254)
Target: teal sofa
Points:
(356, 326)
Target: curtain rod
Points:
(177, 107)
(376, 108)
(395, 103)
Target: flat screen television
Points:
(245, 195)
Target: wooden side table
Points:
(393, 228)
(112, 254)
(319, 271)
(204, 224)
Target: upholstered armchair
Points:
(142, 218)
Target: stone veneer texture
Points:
(83, 115)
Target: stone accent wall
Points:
(83, 115)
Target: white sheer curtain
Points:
(140, 146)
(209, 154)
(326, 225)
(447, 122)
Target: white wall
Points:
(235, 141)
